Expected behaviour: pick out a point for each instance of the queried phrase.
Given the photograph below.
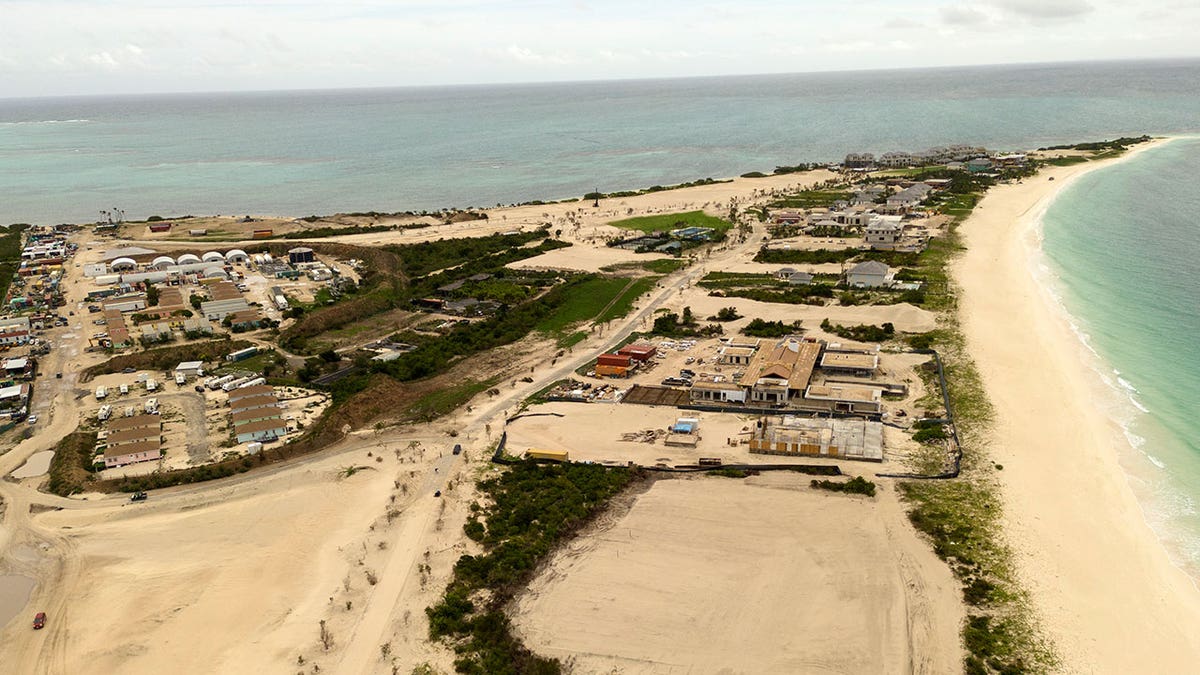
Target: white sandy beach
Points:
(1102, 583)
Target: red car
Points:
(39, 621)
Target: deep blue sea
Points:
(300, 153)
(1123, 246)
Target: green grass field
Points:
(600, 299)
(624, 303)
(672, 221)
(808, 199)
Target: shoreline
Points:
(1101, 580)
(1119, 399)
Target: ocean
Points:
(1122, 248)
(319, 152)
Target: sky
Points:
(68, 47)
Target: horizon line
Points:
(615, 80)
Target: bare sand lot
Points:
(766, 575)
(583, 258)
(905, 317)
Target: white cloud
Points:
(963, 15)
(1045, 9)
(148, 45)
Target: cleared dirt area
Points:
(764, 575)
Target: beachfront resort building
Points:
(784, 373)
(781, 372)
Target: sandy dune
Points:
(715, 575)
(1103, 584)
(583, 258)
(905, 317)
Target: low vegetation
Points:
(726, 314)
(71, 469)
(961, 517)
(815, 294)
(10, 255)
(771, 329)
(591, 196)
(670, 324)
(861, 332)
(790, 256)
(529, 509)
(444, 401)
(1121, 143)
(857, 486)
(672, 221)
(810, 199)
(166, 358)
(425, 257)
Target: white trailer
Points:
(230, 386)
(219, 382)
(124, 389)
(180, 379)
(253, 383)
(150, 406)
(101, 393)
(151, 384)
(105, 412)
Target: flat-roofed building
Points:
(854, 362)
(844, 398)
(736, 356)
(717, 392)
(640, 352)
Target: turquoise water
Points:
(297, 153)
(1124, 243)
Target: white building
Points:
(884, 231)
(869, 274)
(190, 368)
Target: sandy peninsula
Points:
(1102, 584)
